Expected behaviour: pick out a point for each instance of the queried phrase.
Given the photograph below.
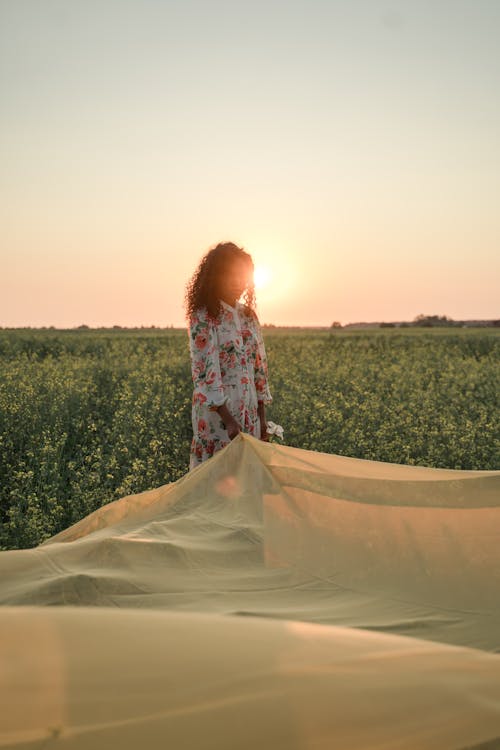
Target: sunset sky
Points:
(351, 146)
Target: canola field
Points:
(87, 417)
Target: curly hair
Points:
(202, 290)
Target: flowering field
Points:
(88, 417)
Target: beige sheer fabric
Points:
(372, 601)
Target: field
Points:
(90, 416)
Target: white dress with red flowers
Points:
(229, 365)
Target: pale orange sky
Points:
(351, 146)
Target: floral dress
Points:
(229, 365)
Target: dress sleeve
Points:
(261, 378)
(205, 367)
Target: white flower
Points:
(274, 429)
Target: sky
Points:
(351, 146)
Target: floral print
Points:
(229, 365)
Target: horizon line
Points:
(336, 325)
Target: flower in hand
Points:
(274, 430)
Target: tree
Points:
(433, 320)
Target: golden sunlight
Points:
(262, 276)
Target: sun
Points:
(261, 276)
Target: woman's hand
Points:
(233, 428)
(261, 409)
(230, 422)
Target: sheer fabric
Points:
(273, 597)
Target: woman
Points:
(228, 358)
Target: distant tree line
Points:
(443, 321)
(427, 321)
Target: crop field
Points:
(87, 417)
